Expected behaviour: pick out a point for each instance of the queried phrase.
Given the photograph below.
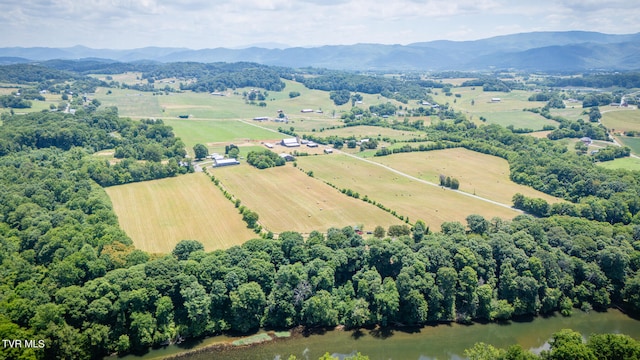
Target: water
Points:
(428, 343)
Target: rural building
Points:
(328, 151)
(495, 100)
(311, 144)
(226, 162)
(261, 118)
(586, 140)
(217, 93)
(287, 157)
(270, 146)
(306, 110)
(291, 142)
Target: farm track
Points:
(411, 177)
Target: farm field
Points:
(508, 111)
(620, 120)
(480, 174)
(287, 199)
(407, 197)
(632, 142)
(365, 131)
(131, 103)
(158, 214)
(627, 163)
(519, 119)
(211, 131)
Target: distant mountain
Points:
(536, 51)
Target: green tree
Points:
(247, 306)
(379, 232)
(185, 247)
(200, 151)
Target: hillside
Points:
(536, 51)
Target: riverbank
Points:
(444, 341)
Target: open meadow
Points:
(474, 103)
(628, 163)
(484, 175)
(287, 199)
(408, 197)
(619, 120)
(158, 214)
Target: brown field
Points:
(406, 196)
(158, 214)
(480, 174)
(287, 199)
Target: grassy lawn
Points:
(628, 163)
(287, 199)
(407, 197)
(480, 174)
(158, 214)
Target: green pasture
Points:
(519, 119)
(620, 119)
(632, 142)
(212, 131)
(131, 103)
(627, 163)
(572, 112)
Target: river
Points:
(427, 343)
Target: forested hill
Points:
(538, 51)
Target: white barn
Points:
(291, 142)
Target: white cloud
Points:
(230, 23)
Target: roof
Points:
(223, 162)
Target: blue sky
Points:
(197, 24)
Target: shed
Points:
(226, 162)
(328, 151)
(287, 157)
(291, 142)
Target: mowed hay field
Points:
(158, 214)
(287, 199)
(484, 175)
(406, 196)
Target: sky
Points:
(199, 24)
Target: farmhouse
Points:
(287, 157)
(291, 142)
(586, 140)
(216, 156)
(226, 162)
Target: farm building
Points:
(291, 142)
(311, 144)
(261, 118)
(226, 162)
(287, 157)
(495, 100)
(270, 146)
(306, 110)
(328, 151)
(216, 156)
(586, 140)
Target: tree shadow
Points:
(357, 334)
(381, 333)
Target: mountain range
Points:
(536, 51)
